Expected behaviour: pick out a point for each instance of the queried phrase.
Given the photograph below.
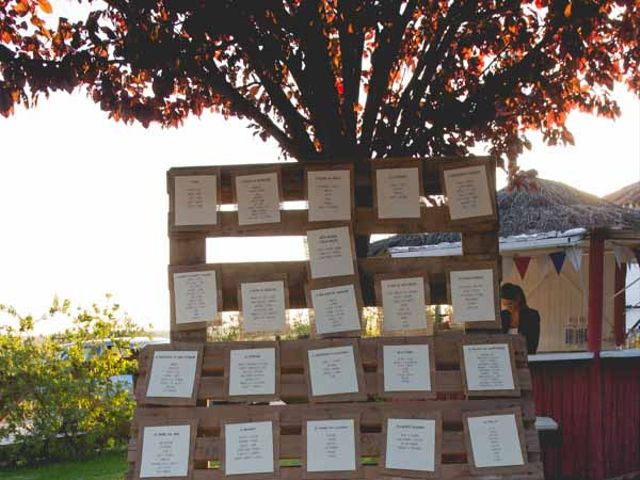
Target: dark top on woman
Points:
(529, 326)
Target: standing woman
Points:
(517, 317)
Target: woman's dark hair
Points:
(510, 291)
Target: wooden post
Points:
(188, 250)
(486, 243)
(594, 338)
(596, 279)
(619, 304)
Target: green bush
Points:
(57, 396)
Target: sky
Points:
(84, 207)
(606, 156)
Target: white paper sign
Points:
(165, 451)
(258, 199)
(488, 367)
(411, 444)
(196, 296)
(406, 368)
(398, 192)
(173, 373)
(335, 309)
(468, 192)
(252, 371)
(472, 295)
(330, 252)
(495, 441)
(329, 195)
(263, 307)
(403, 304)
(331, 445)
(333, 371)
(248, 448)
(195, 200)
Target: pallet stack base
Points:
(450, 403)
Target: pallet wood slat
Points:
(293, 386)
(294, 223)
(434, 218)
(296, 272)
(293, 174)
(208, 444)
(291, 415)
(446, 348)
(293, 382)
(291, 443)
(448, 472)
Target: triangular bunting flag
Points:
(575, 257)
(623, 254)
(543, 265)
(507, 267)
(522, 264)
(629, 254)
(558, 260)
(619, 254)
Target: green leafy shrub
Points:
(58, 395)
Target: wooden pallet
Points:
(294, 222)
(188, 243)
(448, 385)
(447, 381)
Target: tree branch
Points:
(351, 48)
(323, 99)
(477, 107)
(381, 63)
(245, 108)
(423, 77)
(294, 121)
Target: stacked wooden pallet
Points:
(275, 408)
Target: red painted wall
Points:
(568, 392)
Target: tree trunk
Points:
(364, 198)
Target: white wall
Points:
(633, 295)
(562, 300)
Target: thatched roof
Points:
(553, 206)
(626, 196)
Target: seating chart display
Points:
(376, 385)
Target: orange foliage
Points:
(335, 79)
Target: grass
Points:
(108, 466)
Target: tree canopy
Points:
(335, 78)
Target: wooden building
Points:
(628, 196)
(580, 379)
(553, 219)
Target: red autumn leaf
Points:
(253, 91)
(21, 7)
(45, 6)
